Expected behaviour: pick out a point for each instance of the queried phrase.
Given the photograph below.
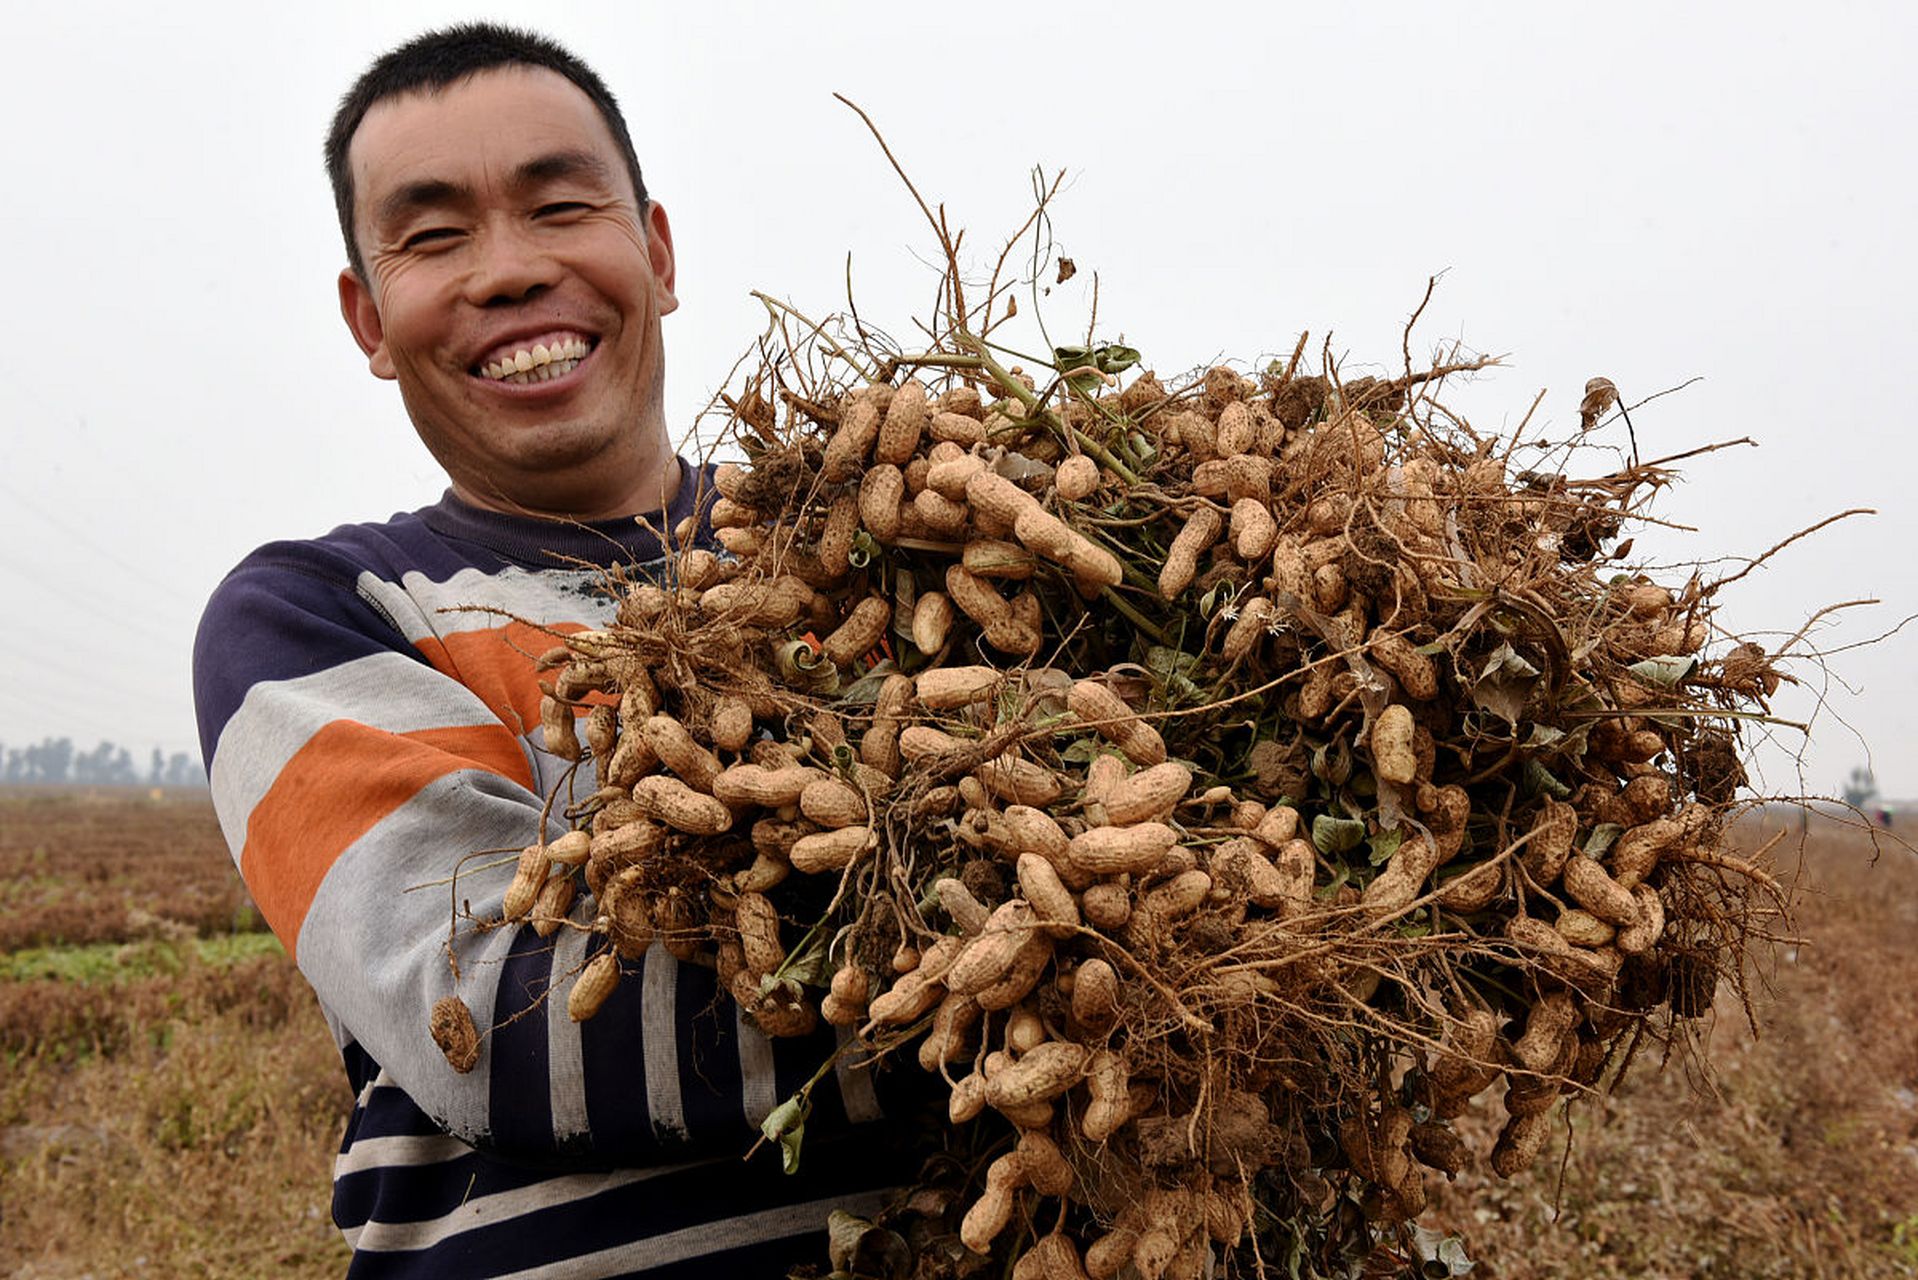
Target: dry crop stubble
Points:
(171, 1100)
(81, 865)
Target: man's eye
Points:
(428, 236)
(560, 208)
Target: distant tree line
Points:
(56, 762)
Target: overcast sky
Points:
(1650, 192)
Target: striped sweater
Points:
(369, 712)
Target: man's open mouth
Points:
(522, 363)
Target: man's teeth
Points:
(537, 373)
(538, 363)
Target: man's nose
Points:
(511, 267)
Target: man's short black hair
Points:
(433, 61)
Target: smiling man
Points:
(510, 276)
(369, 704)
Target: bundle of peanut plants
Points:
(1216, 783)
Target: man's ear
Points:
(659, 247)
(363, 318)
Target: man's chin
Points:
(549, 444)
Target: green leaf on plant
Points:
(1384, 845)
(1173, 669)
(813, 966)
(1337, 835)
(1081, 751)
(786, 1125)
(1106, 357)
(1341, 876)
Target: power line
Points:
(77, 683)
(90, 604)
(140, 575)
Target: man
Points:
(369, 708)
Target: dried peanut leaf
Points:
(1504, 684)
(1441, 1257)
(1600, 395)
(1538, 778)
(1666, 670)
(1544, 736)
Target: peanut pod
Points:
(1132, 850)
(593, 986)
(825, 851)
(680, 807)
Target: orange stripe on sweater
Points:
(485, 746)
(336, 788)
(498, 666)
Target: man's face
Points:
(514, 288)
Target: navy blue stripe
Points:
(389, 1113)
(613, 1068)
(711, 1088)
(274, 621)
(519, 1102)
(775, 1258)
(420, 1193)
(708, 1194)
(772, 1260)
(359, 1064)
(539, 543)
(716, 1192)
(292, 608)
(902, 1089)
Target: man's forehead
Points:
(494, 120)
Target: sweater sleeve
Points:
(355, 780)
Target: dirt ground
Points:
(171, 1101)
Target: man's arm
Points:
(352, 777)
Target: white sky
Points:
(1650, 192)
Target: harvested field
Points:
(79, 866)
(171, 1109)
(1800, 1156)
(171, 1099)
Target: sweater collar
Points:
(540, 542)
